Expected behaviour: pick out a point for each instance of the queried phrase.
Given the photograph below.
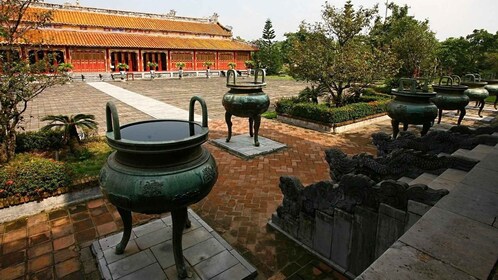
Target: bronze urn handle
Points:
(204, 110)
(113, 120)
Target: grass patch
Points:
(88, 162)
(280, 78)
(269, 115)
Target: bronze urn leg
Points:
(251, 123)
(126, 217)
(440, 114)
(257, 123)
(481, 106)
(179, 217)
(395, 125)
(463, 111)
(228, 120)
(425, 128)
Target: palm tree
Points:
(69, 125)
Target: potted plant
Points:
(208, 70)
(231, 65)
(122, 67)
(180, 66)
(249, 65)
(152, 68)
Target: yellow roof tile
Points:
(132, 40)
(115, 21)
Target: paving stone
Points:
(111, 256)
(173, 275)
(63, 242)
(425, 179)
(215, 265)
(62, 231)
(235, 272)
(203, 250)
(243, 145)
(13, 272)
(57, 214)
(40, 262)
(154, 238)
(404, 262)
(67, 267)
(65, 254)
(13, 258)
(459, 241)
(151, 272)
(113, 240)
(38, 228)
(107, 228)
(40, 249)
(15, 245)
(131, 264)
(194, 237)
(37, 219)
(14, 235)
(475, 203)
(149, 227)
(489, 162)
(164, 254)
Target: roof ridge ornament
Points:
(171, 13)
(214, 17)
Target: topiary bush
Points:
(39, 141)
(34, 176)
(371, 105)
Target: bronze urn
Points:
(411, 106)
(246, 100)
(476, 91)
(492, 88)
(450, 96)
(158, 166)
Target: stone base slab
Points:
(243, 146)
(149, 254)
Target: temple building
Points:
(96, 40)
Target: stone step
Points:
(405, 179)
(478, 153)
(448, 179)
(425, 178)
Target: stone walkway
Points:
(56, 244)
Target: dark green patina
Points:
(158, 166)
(476, 91)
(246, 100)
(492, 87)
(450, 96)
(411, 106)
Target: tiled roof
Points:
(132, 40)
(116, 21)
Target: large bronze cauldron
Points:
(492, 88)
(158, 166)
(246, 100)
(450, 96)
(476, 91)
(411, 106)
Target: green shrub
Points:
(269, 115)
(39, 141)
(34, 176)
(324, 114)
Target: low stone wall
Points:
(333, 128)
(351, 242)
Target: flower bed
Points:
(369, 107)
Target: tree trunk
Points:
(8, 147)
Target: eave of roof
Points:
(49, 37)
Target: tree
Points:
(412, 41)
(69, 126)
(334, 55)
(269, 55)
(21, 81)
(477, 52)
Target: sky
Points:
(447, 18)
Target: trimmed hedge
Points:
(39, 141)
(371, 105)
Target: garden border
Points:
(333, 128)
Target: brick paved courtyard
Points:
(55, 244)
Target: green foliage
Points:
(269, 115)
(180, 64)
(122, 66)
(34, 175)
(335, 55)
(411, 41)
(324, 114)
(269, 55)
(208, 64)
(69, 125)
(90, 161)
(477, 52)
(39, 141)
(21, 81)
(231, 65)
(152, 65)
